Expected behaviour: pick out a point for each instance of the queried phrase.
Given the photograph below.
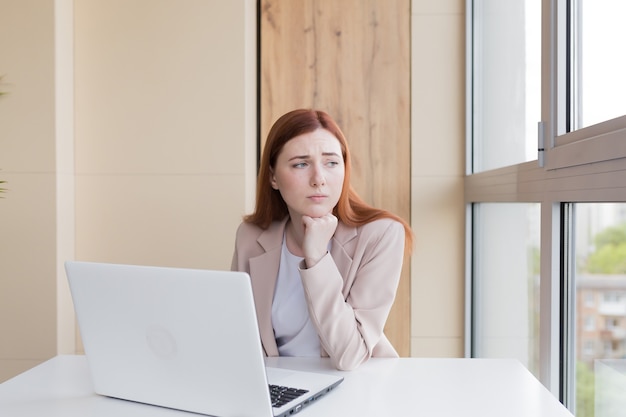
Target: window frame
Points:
(566, 147)
(587, 165)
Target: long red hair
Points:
(270, 206)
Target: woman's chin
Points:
(317, 213)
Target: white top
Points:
(293, 329)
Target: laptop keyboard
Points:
(282, 395)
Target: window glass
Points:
(506, 282)
(601, 85)
(585, 161)
(599, 308)
(506, 82)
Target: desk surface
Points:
(380, 387)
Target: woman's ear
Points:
(273, 182)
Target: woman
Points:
(324, 264)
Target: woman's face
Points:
(309, 173)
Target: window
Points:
(506, 286)
(589, 122)
(611, 324)
(599, 82)
(600, 242)
(589, 323)
(575, 188)
(507, 74)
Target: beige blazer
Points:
(349, 292)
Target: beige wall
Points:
(28, 163)
(129, 136)
(147, 155)
(438, 170)
(165, 129)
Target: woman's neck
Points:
(294, 233)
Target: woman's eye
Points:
(299, 165)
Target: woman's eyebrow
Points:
(298, 157)
(331, 154)
(309, 156)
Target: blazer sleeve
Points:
(350, 321)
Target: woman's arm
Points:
(350, 321)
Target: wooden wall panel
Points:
(350, 58)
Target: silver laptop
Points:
(182, 338)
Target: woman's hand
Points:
(317, 233)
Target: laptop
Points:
(185, 339)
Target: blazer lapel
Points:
(264, 269)
(342, 257)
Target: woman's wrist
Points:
(311, 261)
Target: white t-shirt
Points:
(294, 332)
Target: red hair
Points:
(270, 206)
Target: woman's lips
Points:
(318, 197)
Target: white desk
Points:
(61, 387)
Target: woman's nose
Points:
(317, 179)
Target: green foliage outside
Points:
(610, 254)
(585, 390)
(534, 257)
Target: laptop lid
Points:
(180, 338)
